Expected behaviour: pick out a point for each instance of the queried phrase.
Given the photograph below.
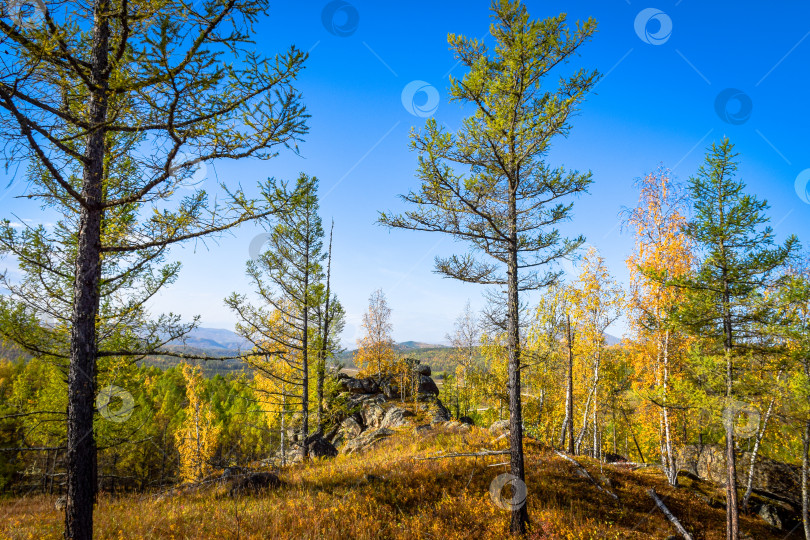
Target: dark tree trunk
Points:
(805, 472)
(305, 358)
(520, 514)
(732, 507)
(81, 445)
(324, 335)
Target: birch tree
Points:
(375, 351)
(596, 300)
(661, 253)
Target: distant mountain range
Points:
(413, 345)
(225, 340)
(214, 339)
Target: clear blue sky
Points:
(656, 104)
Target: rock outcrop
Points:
(372, 418)
(770, 477)
(319, 447)
(366, 440)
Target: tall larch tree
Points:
(331, 319)
(738, 259)
(489, 184)
(173, 79)
(288, 278)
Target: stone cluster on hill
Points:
(368, 413)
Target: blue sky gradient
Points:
(656, 104)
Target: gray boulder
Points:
(438, 411)
(372, 416)
(769, 514)
(423, 369)
(360, 386)
(770, 477)
(350, 428)
(319, 447)
(454, 426)
(395, 417)
(390, 391)
(366, 440)
(427, 386)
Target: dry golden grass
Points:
(386, 493)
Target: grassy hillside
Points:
(389, 493)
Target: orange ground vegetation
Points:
(386, 493)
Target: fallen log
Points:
(467, 454)
(586, 474)
(677, 524)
